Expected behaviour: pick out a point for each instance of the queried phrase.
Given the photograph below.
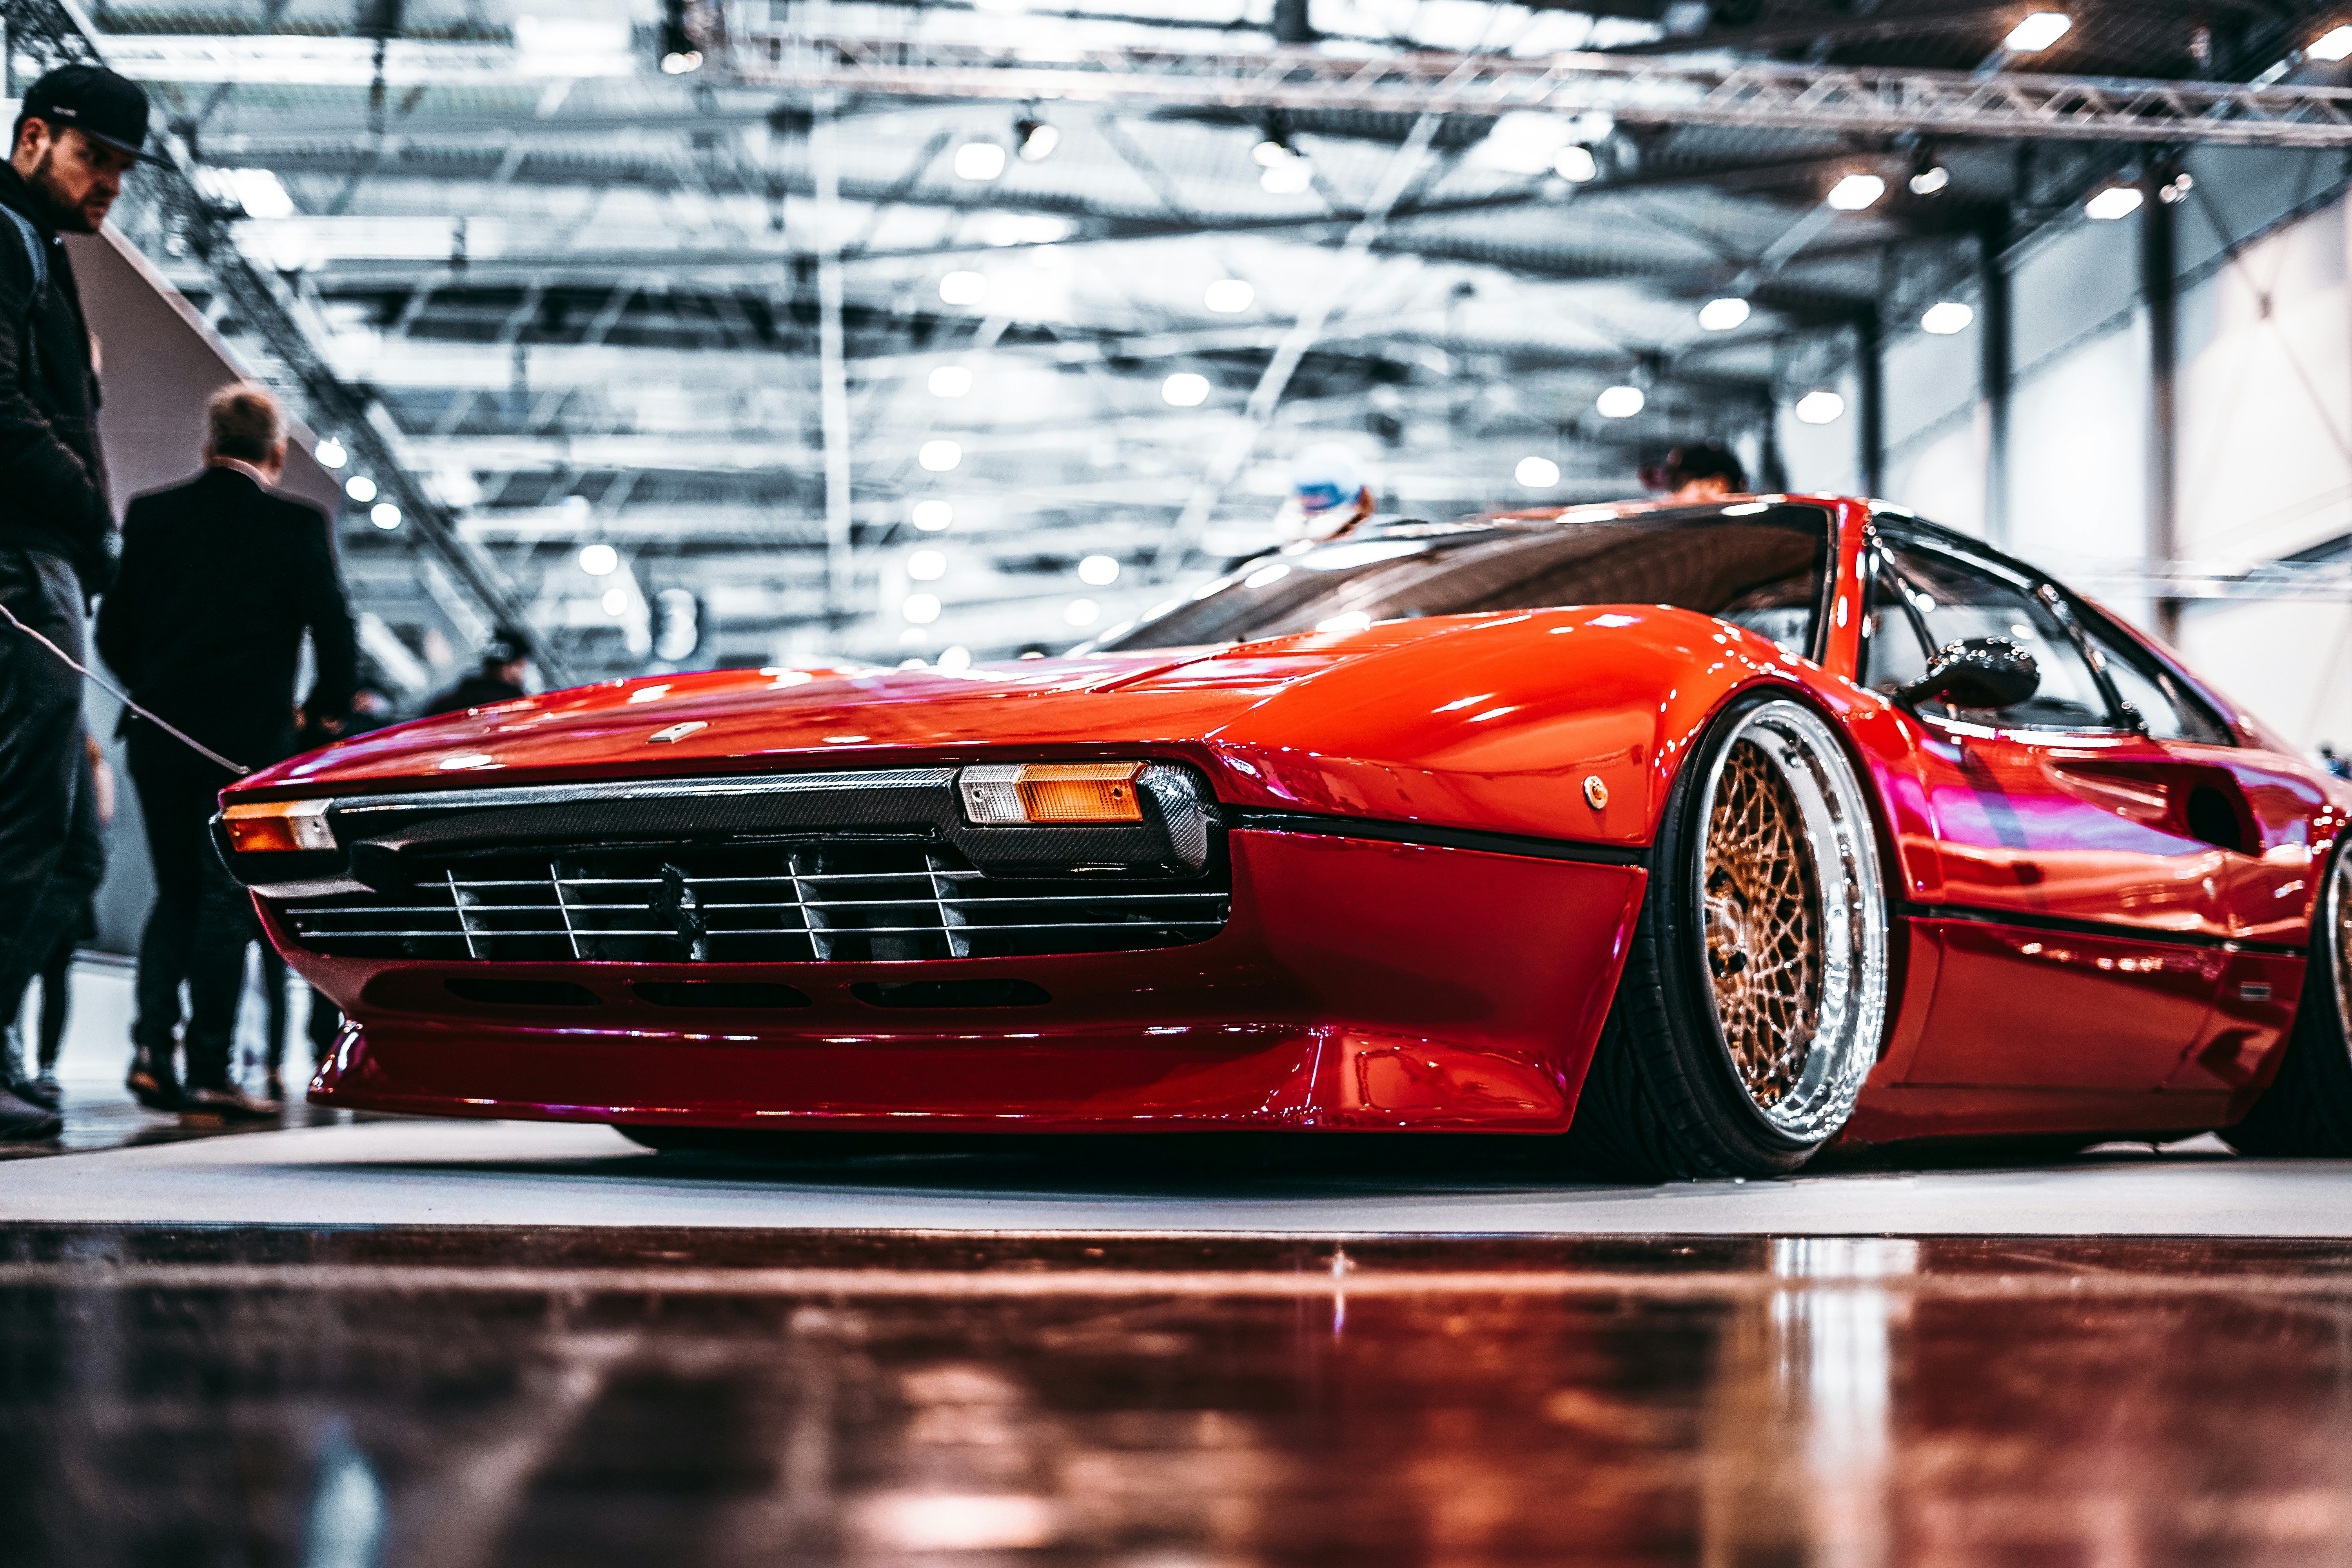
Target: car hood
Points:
(1492, 721)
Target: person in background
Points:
(1327, 497)
(76, 135)
(504, 664)
(84, 863)
(1693, 475)
(221, 578)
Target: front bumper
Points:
(1359, 985)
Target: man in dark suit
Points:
(220, 578)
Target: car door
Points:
(2075, 928)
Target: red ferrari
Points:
(1699, 838)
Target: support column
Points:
(1870, 388)
(2159, 293)
(1992, 379)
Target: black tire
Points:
(2306, 1113)
(1666, 1097)
(665, 1140)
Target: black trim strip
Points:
(2093, 928)
(1437, 838)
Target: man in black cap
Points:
(78, 135)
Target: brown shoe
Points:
(202, 1106)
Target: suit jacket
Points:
(219, 579)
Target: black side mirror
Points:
(1976, 672)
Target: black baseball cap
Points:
(94, 100)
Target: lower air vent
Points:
(954, 993)
(743, 995)
(523, 993)
(875, 901)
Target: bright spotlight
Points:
(684, 62)
(931, 516)
(2037, 32)
(599, 560)
(1038, 140)
(1185, 390)
(939, 457)
(1575, 164)
(1820, 407)
(1082, 613)
(1098, 570)
(360, 487)
(979, 160)
(955, 659)
(616, 600)
(1722, 315)
(1268, 153)
(1228, 295)
(2332, 44)
(384, 515)
(950, 381)
(964, 287)
(331, 454)
(920, 608)
(927, 565)
(1946, 316)
(1618, 402)
(1857, 192)
(1931, 180)
(2115, 202)
(1287, 178)
(1536, 473)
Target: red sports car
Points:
(1699, 838)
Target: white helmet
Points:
(1323, 477)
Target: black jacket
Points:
(476, 691)
(204, 625)
(52, 480)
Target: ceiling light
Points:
(1269, 152)
(1575, 164)
(939, 457)
(330, 453)
(1082, 613)
(927, 565)
(979, 160)
(1524, 140)
(1931, 180)
(1185, 390)
(964, 287)
(1037, 140)
(1857, 192)
(616, 600)
(1820, 407)
(955, 659)
(599, 560)
(2115, 202)
(920, 608)
(682, 63)
(2332, 44)
(360, 487)
(950, 381)
(1098, 570)
(931, 516)
(1228, 295)
(2037, 32)
(1722, 315)
(1618, 402)
(1287, 178)
(384, 515)
(1536, 473)
(1946, 316)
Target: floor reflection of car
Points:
(1697, 839)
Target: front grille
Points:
(876, 901)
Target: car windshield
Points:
(1757, 564)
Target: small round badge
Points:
(1596, 793)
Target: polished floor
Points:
(580, 1398)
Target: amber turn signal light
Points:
(1053, 793)
(278, 825)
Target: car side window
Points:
(1957, 599)
(2170, 711)
(1892, 656)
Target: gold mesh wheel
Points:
(1763, 924)
(1792, 921)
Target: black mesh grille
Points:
(748, 904)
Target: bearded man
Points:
(79, 132)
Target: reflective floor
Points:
(477, 1396)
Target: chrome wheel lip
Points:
(1852, 911)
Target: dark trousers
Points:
(42, 768)
(80, 869)
(201, 921)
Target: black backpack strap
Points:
(35, 252)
